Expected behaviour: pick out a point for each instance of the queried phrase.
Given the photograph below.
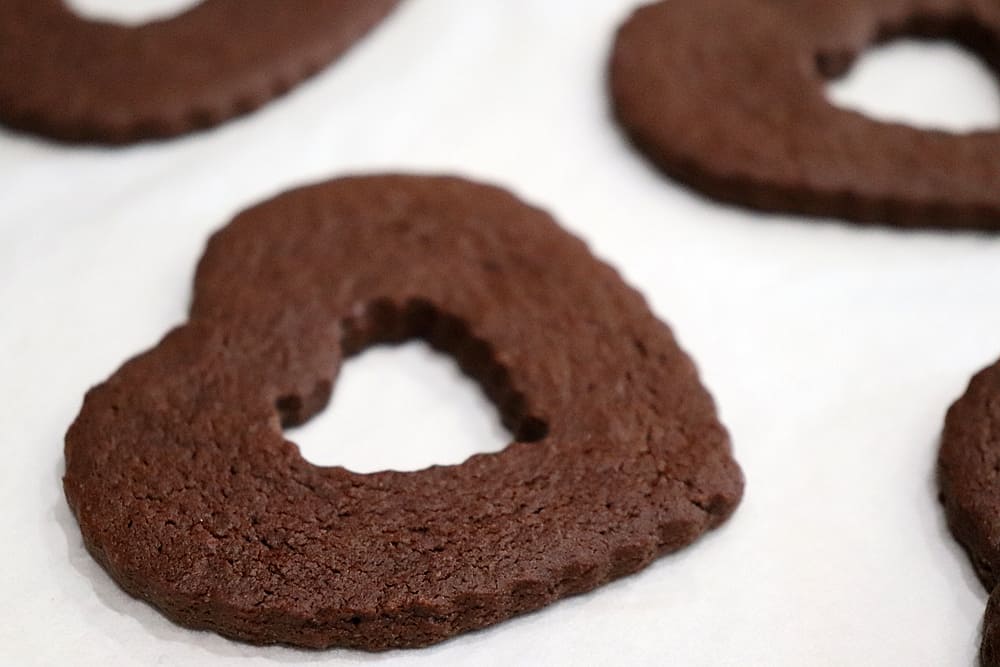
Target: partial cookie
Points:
(969, 477)
(728, 97)
(73, 79)
(187, 493)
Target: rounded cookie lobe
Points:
(187, 493)
(969, 478)
(728, 96)
(80, 80)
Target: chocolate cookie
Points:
(78, 80)
(728, 97)
(187, 493)
(968, 468)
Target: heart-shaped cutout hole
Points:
(133, 12)
(928, 84)
(428, 413)
(436, 409)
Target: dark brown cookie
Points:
(969, 477)
(72, 79)
(187, 493)
(728, 97)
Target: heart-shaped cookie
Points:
(968, 474)
(728, 96)
(74, 79)
(187, 493)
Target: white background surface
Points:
(833, 351)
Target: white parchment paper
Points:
(833, 350)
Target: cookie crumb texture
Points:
(728, 96)
(968, 468)
(187, 493)
(80, 80)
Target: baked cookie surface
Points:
(78, 80)
(969, 478)
(190, 497)
(728, 96)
